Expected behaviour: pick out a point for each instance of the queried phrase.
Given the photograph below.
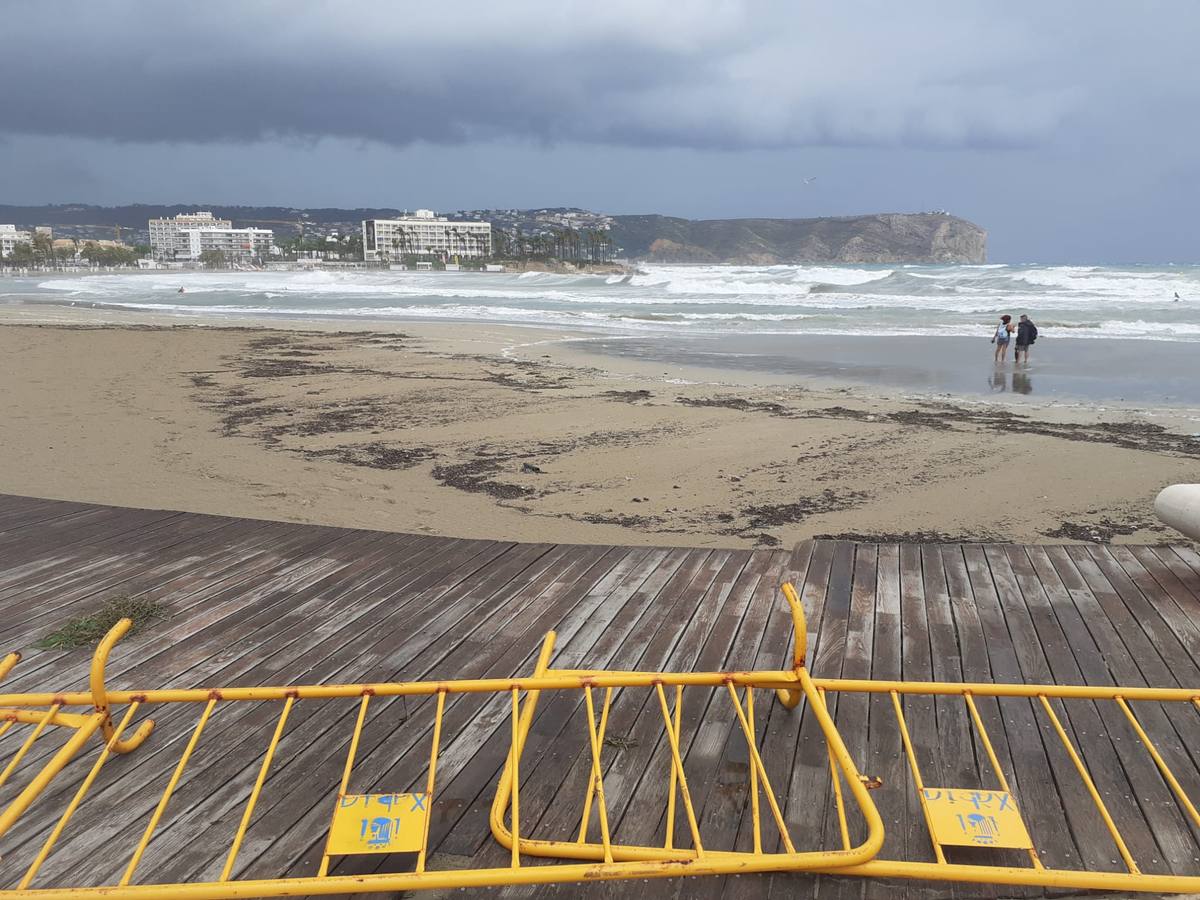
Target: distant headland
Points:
(928, 237)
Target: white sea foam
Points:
(1077, 302)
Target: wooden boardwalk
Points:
(256, 602)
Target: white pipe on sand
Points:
(1179, 507)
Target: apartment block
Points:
(424, 234)
(167, 241)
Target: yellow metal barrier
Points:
(399, 823)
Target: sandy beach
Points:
(512, 433)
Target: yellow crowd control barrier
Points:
(398, 823)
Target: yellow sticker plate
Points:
(378, 823)
(971, 818)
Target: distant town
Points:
(79, 236)
(422, 241)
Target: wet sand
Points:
(510, 433)
(1143, 372)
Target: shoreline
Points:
(493, 431)
(575, 348)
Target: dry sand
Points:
(482, 431)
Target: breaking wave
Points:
(1077, 302)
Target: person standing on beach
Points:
(1001, 337)
(1026, 335)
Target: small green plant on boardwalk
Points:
(86, 630)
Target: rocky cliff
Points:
(883, 238)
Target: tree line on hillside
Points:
(40, 251)
(568, 244)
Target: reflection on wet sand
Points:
(1018, 382)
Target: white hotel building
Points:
(188, 235)
(10, 237)
(424, 234)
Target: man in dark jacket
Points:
(1026, 335)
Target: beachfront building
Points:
(10, 237)
(236, 245)
(167, 241)
(424, 234)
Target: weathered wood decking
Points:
(260, 602)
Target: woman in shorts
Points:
(1002, 337)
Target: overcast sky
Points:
(1070, 130)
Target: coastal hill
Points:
(881, 238)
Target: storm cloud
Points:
(1067, 129)
(688, 73)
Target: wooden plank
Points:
(885, 754)
(1188, 577)
(1134, 659)
(775, 727)
(259, 602)
(1177, 605)
(1164, 637)
(810, 792)
(919, 713)
(1093, 650)
(851, 711)
(171, 714)
(1031, 777)
(723, 600)
(39, 605)
(1189, 556)
(630, 607)
(569, 604)
(675, 644)
(1134, 793)
(1033, 659)
(726, 806)
(643, 615)
(246, 726)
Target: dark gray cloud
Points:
(674, 73)
(1068, 128)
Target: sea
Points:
(1076, 302)
(1105, 332)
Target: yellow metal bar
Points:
(1091, 786)
(77, 799)
(729, 862)
(30, 716)
(100, 697)
(837, 789)
(429, 785)
(598, 774)
(56, 764)
(916, 772)
(1167, 774)
(345, 783)
(799, 625)
(674, 778)
(586, 818)
(992, 758)
(6, 725)
(756, 762)
(42, 722)
(790, 697)
(6, 664)
(837, 747)
(774, 679)
(516, 781)
(504, 787)
(166, 796)
(673, 740)
(754, 809)
(592, 872)
(258, 786)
